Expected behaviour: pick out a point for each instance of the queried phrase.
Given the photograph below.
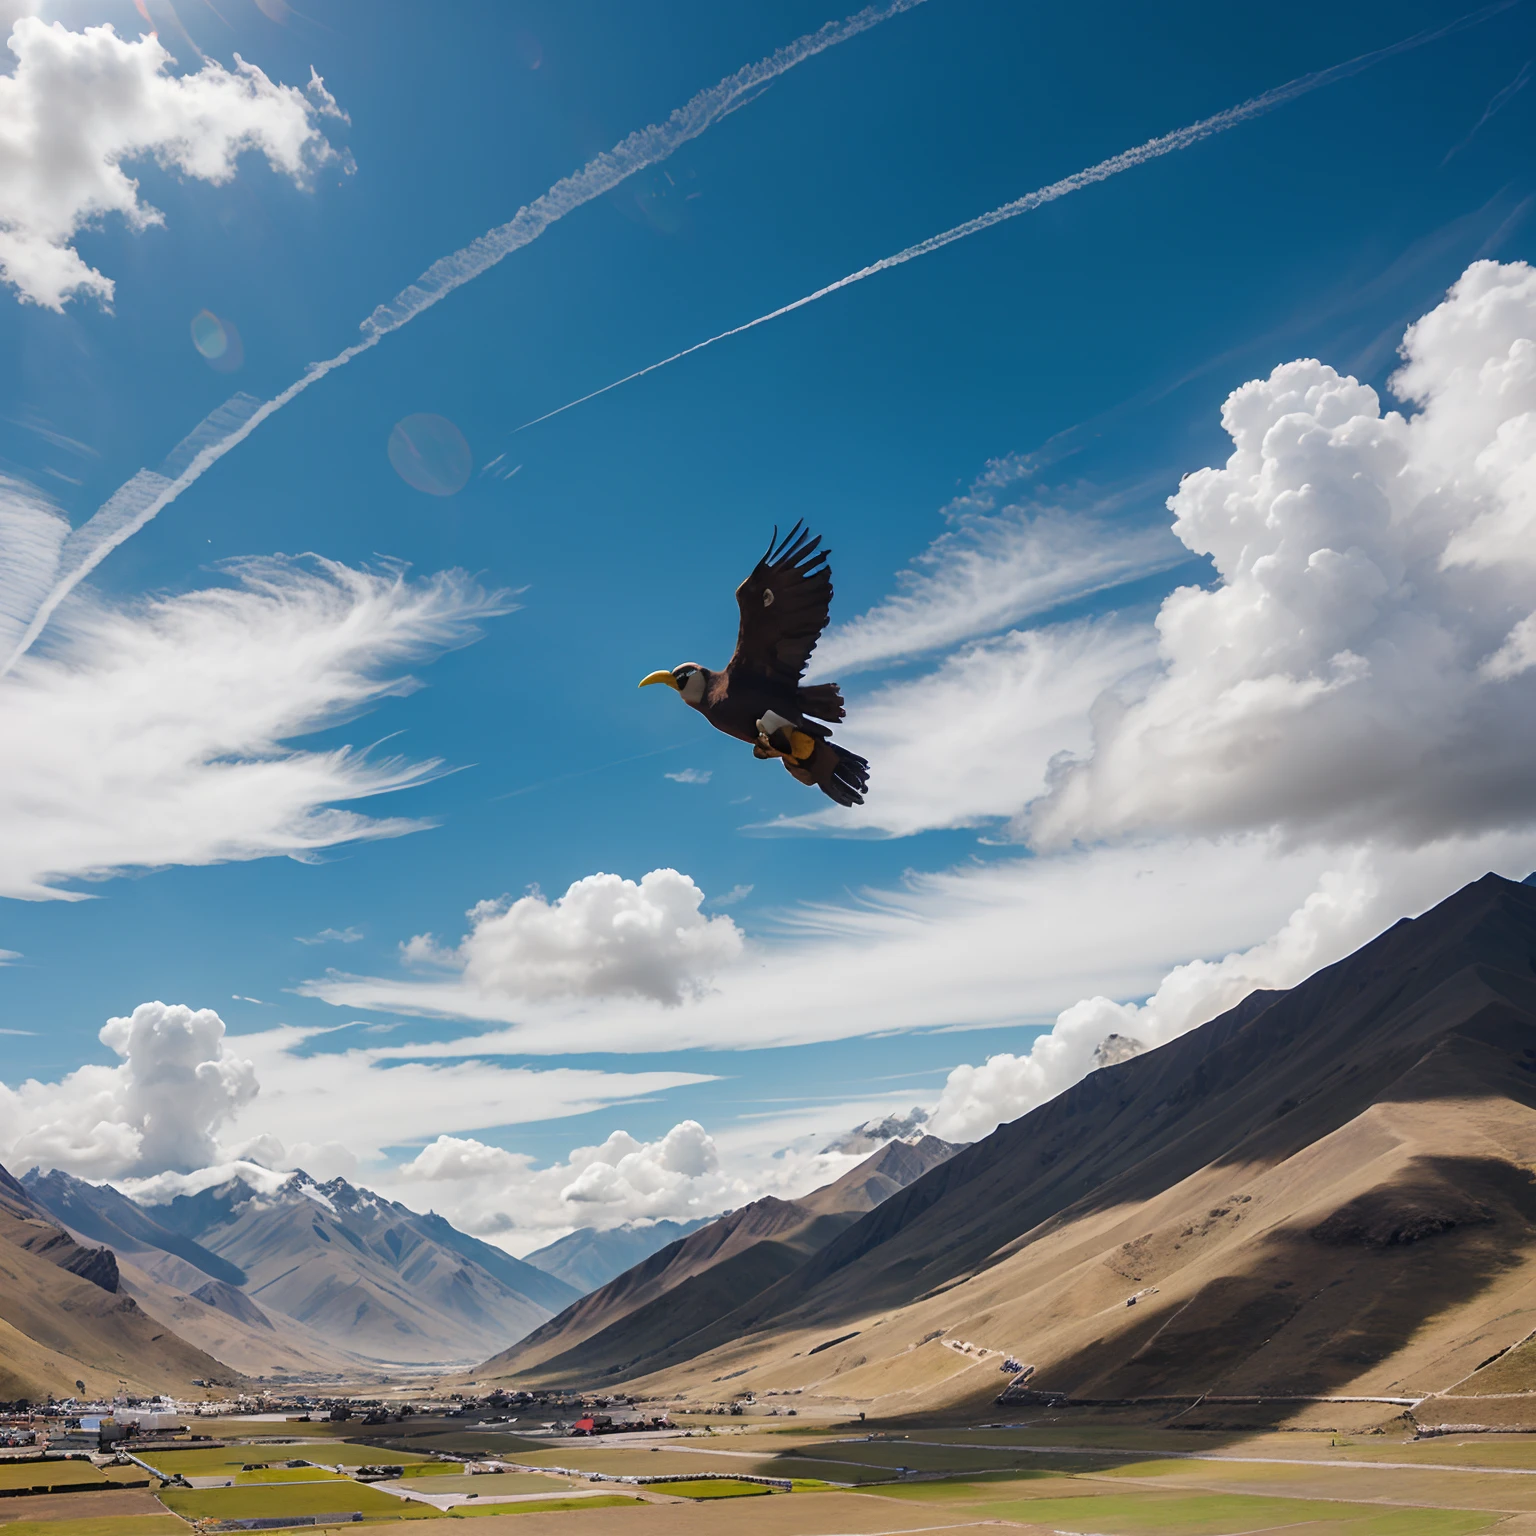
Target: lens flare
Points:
(209, 335)
(217, 341)
(430, 454)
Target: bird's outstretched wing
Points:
(784, 606)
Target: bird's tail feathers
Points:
(823, 700)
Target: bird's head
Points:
(690, 679)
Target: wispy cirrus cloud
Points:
(160, 732)
(1500, 100)
(973, 740)
(993, 570)
(1028, 937)
(331, 936)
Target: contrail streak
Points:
(1153, 149)
(1493, 108)
(148, 492)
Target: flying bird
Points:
(759, 697)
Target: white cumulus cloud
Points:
(186, 1101)
(1363, 666)
(79, 105)
(154, 733)
(177, 1085)
(605, 937)
(1361, 678)
(493, 1192)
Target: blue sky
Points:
(1121, 316)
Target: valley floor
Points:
(1065, 1472)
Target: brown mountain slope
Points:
(1323, 1191)
(881, 1175)
(706, 1275)
(60, 1322)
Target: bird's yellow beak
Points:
(659, 677)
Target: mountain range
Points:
(269, 1275)
(1324, 1191)
(283, 1275)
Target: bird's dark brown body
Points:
(784, 605)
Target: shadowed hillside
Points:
(63, 1316)
(1322, 1191)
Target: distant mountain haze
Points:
(308, 1277)
(386, 1282)
(1323, 1191)
(527, 1279)
(692, 1283)
(587, 1258)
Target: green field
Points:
(289, 1475)
(888, 1455)
(49, 1474)
(206, 1462)
(246, 1503)
(465, 1442)
(352, 1455)
(1087, 1477)
(711, 1489)
(542, 1506)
